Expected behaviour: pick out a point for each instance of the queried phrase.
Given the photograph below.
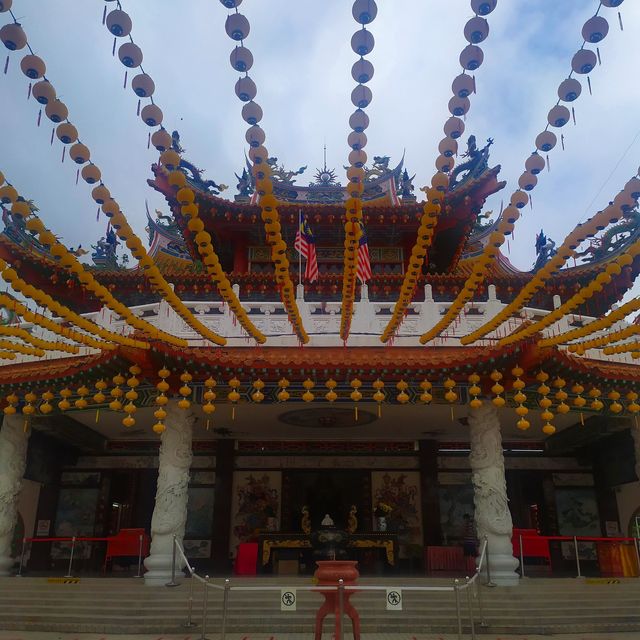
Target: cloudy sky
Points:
(302, 69)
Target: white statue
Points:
(327, 521)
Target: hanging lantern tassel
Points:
(138, 111)
(39, 119)
(64, 151)
(113, 51)
(77, 176)
(599, 58)
(6, 66)
(148, 140)
(97, 415)
(126, 75)
(548, 163)
(29, 91)
(589, 85)
(562, 140)
(25, 426)
(573, 114)
(620, 21)
(53, 132)
(582, 418)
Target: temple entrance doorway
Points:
(326, 491)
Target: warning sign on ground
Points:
(288, 600)
(394, 599)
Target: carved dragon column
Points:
(170, 511)
(13, 460)
(493, 518)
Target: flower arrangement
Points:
(383, 510)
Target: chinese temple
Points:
(344, 346)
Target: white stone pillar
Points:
(492, 515)
(170, 512)
(13, 460)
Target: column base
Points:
(159, 570)
(6, 565)
(503, 570)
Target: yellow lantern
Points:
(356, 394)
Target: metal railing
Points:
(576, 550)
(471, 585)
(73, 540)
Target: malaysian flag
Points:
(305, 245)
(364, 261)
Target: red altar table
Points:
(328, 574)
(246, 559)
(126, 543)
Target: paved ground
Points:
(40, 635)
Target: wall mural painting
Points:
(76, 516)
(455, 501)
(199, 513)
(578, 516)
(399, 495)
(256, 505)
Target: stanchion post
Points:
(225, 603)
(24, 546)
(73, 548)
(173, 582)
(470, 605)
(205, 601)
(486, 552)
(340, 620)
(478, 590)
(190, 623)
(636, 541)
(456, 591)
(521, 558)
(139, 574)
(575, 546)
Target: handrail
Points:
(341, 588)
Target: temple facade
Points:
(225, 446)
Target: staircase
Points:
(116, 605)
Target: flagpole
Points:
(299, 252)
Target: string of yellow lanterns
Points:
(7, 355)
(474, 391)
(185, 390)
(356, 394)
(362, 43)
(131, 395)
(237, 28)
(622, 348)
(52, 326)
(614, 336)
(20, 207)
(622, 203)
(161, 401)
(595, 325)
(583, 62)
(331, 395)
(119, 24)
(308, 396)
(518, 385)
(577, 300)
(378, 395)
(21, 348)
(283, 394)
(34, 68)
(45, 300)
(46, 345)
(234, 395)
(476, 30)
(209, 396)
(116, 392)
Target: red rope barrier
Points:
(77, 539)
